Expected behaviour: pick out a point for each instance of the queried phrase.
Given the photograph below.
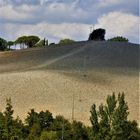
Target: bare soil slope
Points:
(47, 78)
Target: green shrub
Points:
(119, 38)
(48, 135)
(66, 41)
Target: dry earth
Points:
(49, 78)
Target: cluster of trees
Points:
(23, 42)
(99, 35)
(35, 41)
(119, 38)
(109, 122)
(39, 126)
(30, 42)
(65, 41)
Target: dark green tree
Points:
(10, 43)
(29, 41)
(22, 41)
(8, 114)
(120, 129)
(79, 131)
(35, 132)
(66, 41)
(32, 118)
(110, 122)
(45, 120)
(18, 130)
(2, 120)
(119, 38)
(3, 44)
(38, 122)
(62, 127)
(94, 122)
(49, 135)
(97, 35)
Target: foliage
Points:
(3, 44)
(42, 43)
(79, 131)
(29, 41)
(63, 127)
(98, 34)
(110, 121)
(32, 40)
(66, 41)
(48, 135)
(10, 128)
(10, 43)
(119, 38)
(43, 119)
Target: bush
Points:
(119, 38)
(66, 41)
(48, 135)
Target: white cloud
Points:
(53, 12)
(53, 18)
(120, 24)
(10, 13)
(53, 32)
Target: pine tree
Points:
(2, 119)
(79, 131)
(110, 122)
(104, 122)
(32, 118)
(120, 128)
(8, 114)
(94, 121)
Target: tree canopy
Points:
(119, 38)
(66, 41)
(108, 122)
(3, 44)
(98, 34)
(29, 41)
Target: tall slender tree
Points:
(8, 114)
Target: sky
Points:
(74, 19)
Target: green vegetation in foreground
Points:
(109, 122)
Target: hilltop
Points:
(47, 78)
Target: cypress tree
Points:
(110, 122)
(94, 122)
(8, 114)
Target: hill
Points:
(49, 78)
